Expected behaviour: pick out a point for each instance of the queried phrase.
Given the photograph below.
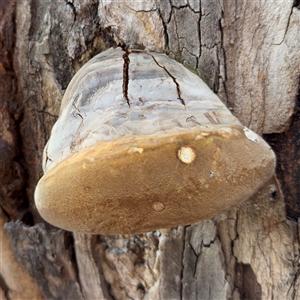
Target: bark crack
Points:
(223, 52)
(186, 6)
(47, 113)
(71, 5)
(164, 24)
(293, 285)
(4, 287)
(187, 50)
(47, 157)
(142, 10)
(296, 4)
(176, 31)
(182, 262)
(199, 35)
(173, 78)
(287, 25)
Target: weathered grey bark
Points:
(248, 53)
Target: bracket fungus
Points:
(142, 143)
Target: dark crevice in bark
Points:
(296, 4)
(293, 287)
(110, 292)
(166, 35)
(183, 262)
(175, 51)
(4, 287)
(69, 243)
(47, 113)
(185, 6)
(61, 63)
(141, 10)
(142, 288)
(107, 36)
(95, 40)
(180, 6)
(96, 241)
(224, 80)
(71, 5)
(246, 282)
(199, 35)
(28, 162)
(28, 219)
(34, 7)
(13, 175)
(171, 12)
(287, 148)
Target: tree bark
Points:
(248, 53)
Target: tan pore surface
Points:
(153, 182)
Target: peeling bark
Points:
(248, 53)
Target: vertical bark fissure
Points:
(223, 52)
(70, 243)
(166, 35)
(71, 5)
(176, 31)
(96, 259)
(182, 263)
(4, 287)
(14, 179)
(292, 288)
(199, 33)
(287, 25)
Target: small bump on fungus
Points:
(186, 154)
(158, 206)
(153, 149)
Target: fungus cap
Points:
(142, 143)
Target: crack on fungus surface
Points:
(47, 157)
(126, 76)
(173, 78)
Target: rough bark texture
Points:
(248, 53)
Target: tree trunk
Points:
(248, 53)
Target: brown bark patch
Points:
(12, 174)
(247, 283)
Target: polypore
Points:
(142, 143)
